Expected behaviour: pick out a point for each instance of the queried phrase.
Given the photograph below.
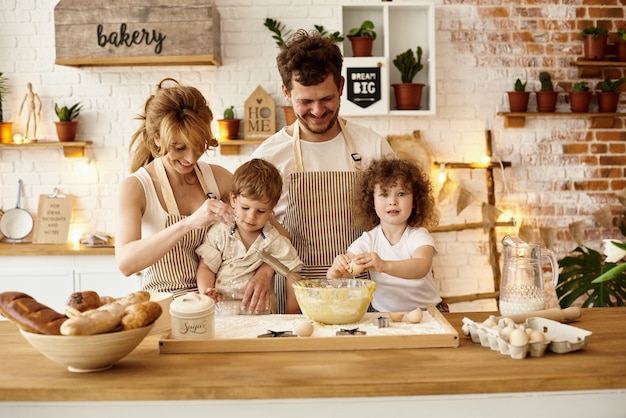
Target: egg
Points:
(414, 316)
(396, 316)
(355, 269)
(537, 337)
(518, 337)
(303, 328)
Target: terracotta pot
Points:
(546, 101)
(362, 46)
(66, 131)
(290, 115)
(579, 101)
(620, 51)
(518, 100)
(408, 95)
(595, 49)
(607, 101)
(229, 128)
(6, 130)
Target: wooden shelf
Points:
(598, 120)
(73, 149)
(493, 164)
(593, 69)
(231, 146)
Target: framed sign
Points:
(52, 223)
(260, 117)
(137, 32)
(366, 88)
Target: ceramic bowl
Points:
(164, 323)
(87, 353)
(334, 301)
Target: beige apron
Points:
(318, 214)
(176, 271)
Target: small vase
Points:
(518, 100)
(595, 49)
(608, 101)
(66, 131)
(229, 128)
(362, 46)
(290, 115)
(6, 130)
(546, 101)
(620, 51)
(408, 95)
(579, 101)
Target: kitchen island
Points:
(390, 382)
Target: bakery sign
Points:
(137, 32)
(363, 85)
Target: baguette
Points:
(141, 314)
(29, 314)
(96, 321)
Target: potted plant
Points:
(518, 98)
(608, 96)
(5, 127)
(580, 97)
(229, 126)
(546, 97)
(362, 39)
(66, 126)
(594, 45)
(620, 46)
(408, 94)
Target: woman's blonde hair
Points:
(174, 113)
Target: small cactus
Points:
(546, 82)
(229, 113)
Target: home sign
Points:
(137, 32)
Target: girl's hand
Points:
(340, 267)
(370, 261)
(213, 293)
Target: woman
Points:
(166, 206)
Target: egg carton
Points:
(560, 338)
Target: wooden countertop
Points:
(28, 248)
(26, 375)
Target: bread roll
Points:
(135, 297)
(139, 315)
(84, 301)
(96, 321)
(29, 314)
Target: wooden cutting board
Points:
(240, 335)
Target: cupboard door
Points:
(100, 274)
(45, 278)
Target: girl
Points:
(394, 202)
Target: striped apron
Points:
(318, 214)
(176, 271)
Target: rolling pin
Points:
(556, 314)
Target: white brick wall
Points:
(469, 95)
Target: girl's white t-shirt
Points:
(394, 294)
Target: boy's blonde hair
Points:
(258, 180)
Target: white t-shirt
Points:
(394, 294)
(332, 155)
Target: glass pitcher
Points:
(522, 276)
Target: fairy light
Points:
(442, 173)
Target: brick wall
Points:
(562, 169)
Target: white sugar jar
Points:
(193, 317)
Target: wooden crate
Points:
(137, 32)
(445, 337)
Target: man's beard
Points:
(318, 130)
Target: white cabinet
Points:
(399, 26)
(51, 279)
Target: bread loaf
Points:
(84, 301)
(139, 315)
(135, 297)
(29, 314)
(96, 321)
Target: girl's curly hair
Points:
(386, 173)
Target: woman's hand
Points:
(211, 211)
(257, 296)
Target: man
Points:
(319, 156)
